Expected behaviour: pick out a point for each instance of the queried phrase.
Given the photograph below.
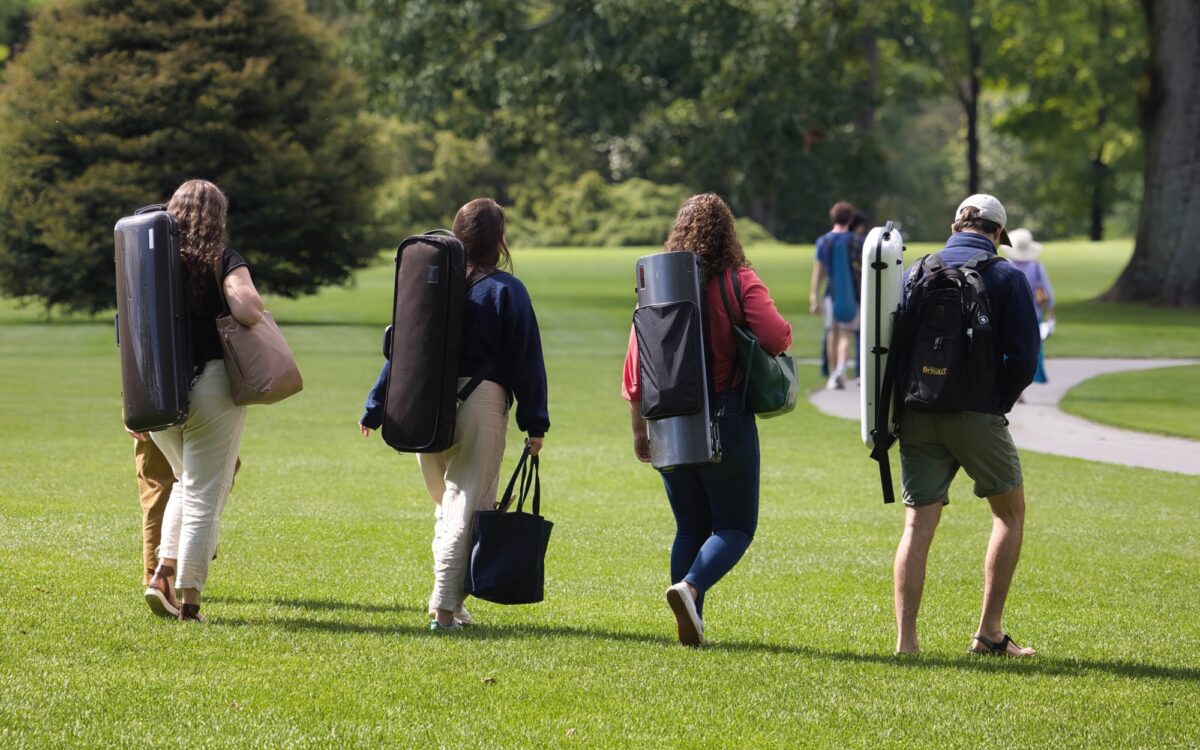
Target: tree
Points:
(14, 27)
(1069, 67)
(114, 103)
(754, 99)
(1165, 267)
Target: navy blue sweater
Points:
(501, 343)
(1015, 319)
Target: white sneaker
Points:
(835, 382)
(691, 627)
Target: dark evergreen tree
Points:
(114, 103)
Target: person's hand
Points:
(141, 437)
(534, 444)
(813, 307)
(641, 446)
(366, 431)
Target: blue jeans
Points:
(716, 506)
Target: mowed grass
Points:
(1165, 401)
(319, 639)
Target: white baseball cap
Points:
(989, 208)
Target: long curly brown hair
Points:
(704, 226)
(200, 207)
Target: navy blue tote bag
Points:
(508, 559)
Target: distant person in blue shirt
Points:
(502, 349)
(933, 446)
(834, 263)
(1023, 253)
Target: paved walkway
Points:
(1039, 425)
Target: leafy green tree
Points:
(14, 27)
(115, 103)
(753, 99)
(1071, 67)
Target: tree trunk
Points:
(1101, 174)
(1165, 267)
(971, 102)
(867, 42)
(762, 210)
(1100, 171)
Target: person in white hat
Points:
(934, 446)
(1023, 253)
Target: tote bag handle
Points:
(524, 478)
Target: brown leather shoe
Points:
(160, 593)
(191, 612)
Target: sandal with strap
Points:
(994, 648)
(191, 612)
(160, 594)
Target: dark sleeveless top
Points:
(205, 343)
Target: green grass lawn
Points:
(319, 640)
(1165, 401)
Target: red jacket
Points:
(759, 314)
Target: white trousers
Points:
(461, 480)
(202, 452)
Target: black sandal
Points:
(993, 648)
(191, 612)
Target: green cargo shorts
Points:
(934, 446)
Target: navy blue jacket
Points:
(1015, 318)
(501, 343)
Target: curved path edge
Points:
(1039, 425)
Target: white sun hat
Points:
(1023, 247)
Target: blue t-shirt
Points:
(836, 251)
(833, 247)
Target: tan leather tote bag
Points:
(258, 361)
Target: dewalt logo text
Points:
(927, 370)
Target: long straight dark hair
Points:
(480, 225)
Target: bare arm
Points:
(244, 302)
(641, 440)
(818, 275)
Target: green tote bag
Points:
(769, 382)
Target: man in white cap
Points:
(933, 446)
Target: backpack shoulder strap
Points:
(982, 260)
(932, 262)
(473, 279)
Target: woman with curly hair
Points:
(715, 506)
(203, 450)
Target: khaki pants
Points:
(155, 480)
(461, 480)
(203, 452)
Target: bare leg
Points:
(909, 571)
(831, 339)
(1004, 549)
(844, 340)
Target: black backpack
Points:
(944, 356)
(950, 358)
